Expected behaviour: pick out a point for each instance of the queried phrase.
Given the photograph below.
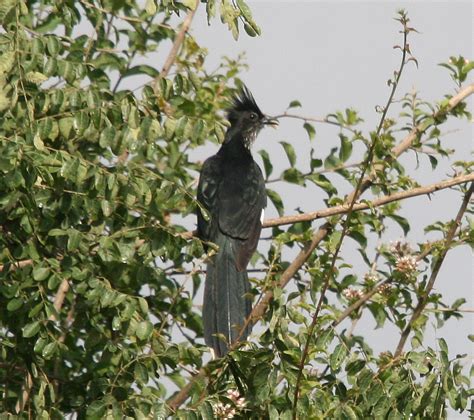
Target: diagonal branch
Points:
(178, 41)
(344, 208)
(423, 299)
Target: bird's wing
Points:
(241, 201)
(207, 195)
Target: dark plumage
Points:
(232, 190)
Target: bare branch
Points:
(344, 208)
(16, 265)
(423, 299)
(25, 393)
(59, 298)
(176, 46)
(324, 120)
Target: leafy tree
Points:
(97, 275)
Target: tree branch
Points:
(176, 46)
(16, 265)
(423, 299)
(344, 208)
(324, 120)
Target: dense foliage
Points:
(92, 289)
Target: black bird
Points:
(232, 191)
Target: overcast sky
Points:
(333, 55)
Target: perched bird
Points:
(232, 191)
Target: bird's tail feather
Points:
(226, 302)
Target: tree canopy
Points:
(98, 274)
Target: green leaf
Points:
(106, 208)
(49, 350)
(143, 305)
(310, 130)
(267, 165)
(74, 238)
(250, 31)
(142, 69)
(290, 152)
(316, 163)
(433, 161)
(337, 356)
(402, 222)
(150, 7)
(57, 232)
(206, 411)
(50, 67)
(35, 77)
(321, 181)
(31, 329)
(346, 148)
(53, 45)
(349, 412)
(277, 201)
(247, 15)
(107, 137)
(375, 393)
(65, 127)
(14, 304)
(294, 176)
(294, 104)
(144, 330)
(96, 409)
(37, 142)
(140, 372)
(443, 345)
(40, 273)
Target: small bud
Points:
(406, 264)
(384, 289)
(352, 294)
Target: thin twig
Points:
(344, 208)
(16, 265)
(423, 299)
(176, 46)
(324, 120)
(59, 298)
(461, 310)
(25, 393)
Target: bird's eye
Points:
(253, 116)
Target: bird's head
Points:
(246, 118)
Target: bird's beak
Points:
(272, 122)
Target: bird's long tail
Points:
(226, 302)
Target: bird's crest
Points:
(243, 100)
